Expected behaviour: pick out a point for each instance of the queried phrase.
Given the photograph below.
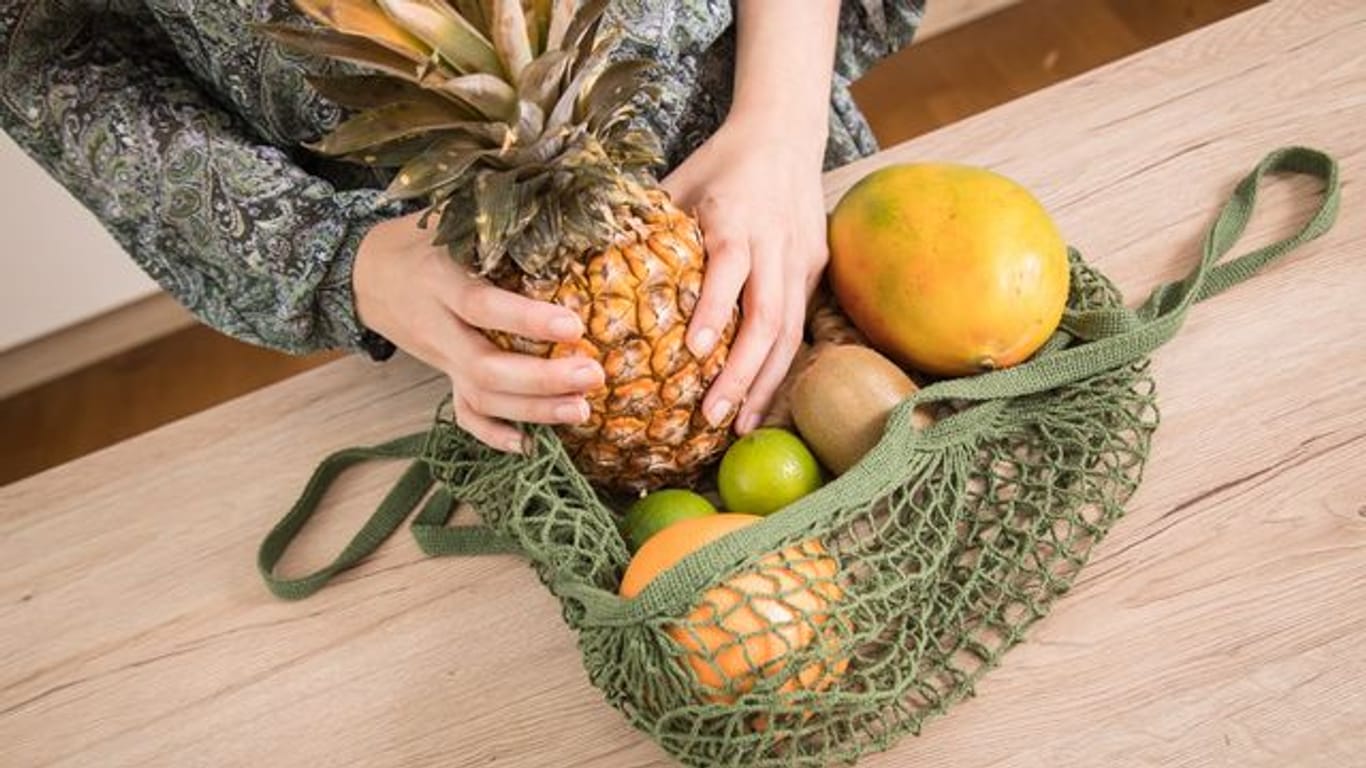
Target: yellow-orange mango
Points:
(948, 269)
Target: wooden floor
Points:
(1020, 49)
(963, 71)
(132, 392)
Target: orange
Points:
(766, 470)
(746, 628)
(684, 537)
(948, 269)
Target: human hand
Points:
(432, 308)
(756, 190)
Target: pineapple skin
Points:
(517, 125)
(635, 298)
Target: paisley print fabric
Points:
(181, 130)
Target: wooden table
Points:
(1220, 624)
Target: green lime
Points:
(660, 510)
(765, 471)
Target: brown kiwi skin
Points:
(841, 400)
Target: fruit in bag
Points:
(948, 269)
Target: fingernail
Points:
(719, 411)
(586, 376)
(703, 341)
(518, 444)
(572, 413)
(566, 327)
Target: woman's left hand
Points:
(756, 190)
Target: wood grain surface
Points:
(1015, 49)
(1219, 625)
(181, 373)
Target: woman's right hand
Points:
(416, 296)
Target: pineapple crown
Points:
(508, 116)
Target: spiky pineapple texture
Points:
(508, 116)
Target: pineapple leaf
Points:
(456, 40)
(510, 37)
(589, 69)
(394, 153)
(607, 127)
(458, 237)
(538, 155)
(541, 80)
(370, 91)
(538, 24)
(339, 45)
(443, 163)
(636, 149)
(364, 19)
(456, 227)
(489, 95)
(510, 119)
(530, 122)
(495, 135)
(612, 89)
(473, 11)
(529, 259)
(491, 135)
(561, 14)
(585, 24)
(391, 122)
(495, 198)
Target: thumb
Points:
(682, 186)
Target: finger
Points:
(518, 374)
(813, 276)
(728, 266)
(681, 186)
(529, 409)
(677, 187)
(778, 362)
(760, 325)
(819, 250)
(491, 432)
(486, 306)
(439, 339)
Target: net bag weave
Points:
(847, 620)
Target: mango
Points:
(948, 269)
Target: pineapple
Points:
(511, 121)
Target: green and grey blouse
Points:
(180, 130)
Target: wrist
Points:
(363, 272)
(784, 65)
(801, 134)
(365, 339)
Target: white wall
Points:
(57, 264)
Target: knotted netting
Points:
(845, 621)
(915, 573)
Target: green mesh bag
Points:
(845, 621)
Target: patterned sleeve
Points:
(224, 220)
(694, 44)
(869, 31)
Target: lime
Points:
(765, 471)
(659, 510)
